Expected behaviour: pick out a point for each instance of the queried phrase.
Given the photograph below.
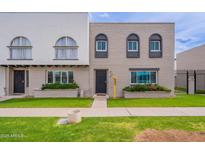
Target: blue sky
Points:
(190, 27)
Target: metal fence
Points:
(192, 81)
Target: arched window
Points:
(66, 48)
(155, 46)
(20, 48)
(133, 46)
(101, 46)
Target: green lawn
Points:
(46, 102)
(92, 129)
(181, 100)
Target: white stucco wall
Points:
(43, 30)
(2, 81)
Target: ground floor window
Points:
(60, 77)
(143, 77)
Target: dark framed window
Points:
(70, 77)
(50, 77)
(57, 77)
(133, 46)
(64, 77)
(144, 77)
(101, 46)
(155, 46)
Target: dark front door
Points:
(101, 81)
(19, 81)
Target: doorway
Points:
(19, 81)
(101, 81)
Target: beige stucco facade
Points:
(118, 64)
(38, 76)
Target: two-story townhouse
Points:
(39, 48)
(134, 53)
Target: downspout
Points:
(187, 82)
(194, 81)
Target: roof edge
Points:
(132, 23)
(189, 50)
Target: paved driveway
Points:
(102, 112)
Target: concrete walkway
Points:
(4, 98)
(99, 102)
(102, 112)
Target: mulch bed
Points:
(152, 135)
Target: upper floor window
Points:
(155, 46)
(66, 48)
(20, 48)
(132, 46)
(101, 46)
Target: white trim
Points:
(97, 46)
(137, 46)
(159, 46)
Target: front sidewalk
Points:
(102, 112)
(4, 98)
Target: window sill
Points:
(155, 51)
(132, 51)
(67, 59)
(133, 84)
(19, 59)
(101, 50)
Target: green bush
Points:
(200, 91)
(60, 86)
(180, 89)
(146, 87)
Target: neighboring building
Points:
(39, 48)
(190, 61)
(32, 45)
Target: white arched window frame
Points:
(66, 48)
(20, 48)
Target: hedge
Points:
(146, 87)
(180, 89)
(60, 86)
(200, 91)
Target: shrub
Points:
(60, 86)
(146, 87)
(200, 91)
(180, 89)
